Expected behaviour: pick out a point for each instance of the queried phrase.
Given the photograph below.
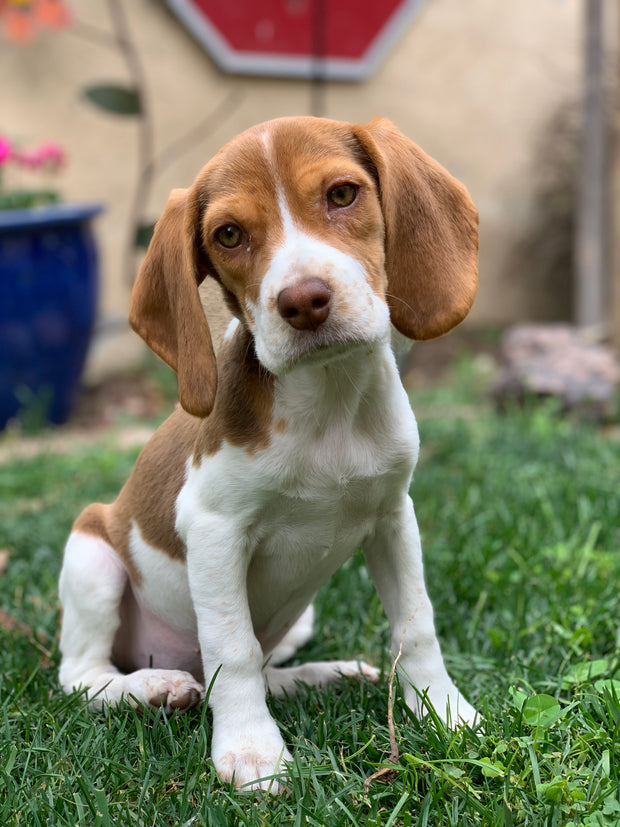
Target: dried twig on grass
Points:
(388, 774)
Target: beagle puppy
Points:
(293, 448)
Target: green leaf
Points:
(492, 769)
(585, 672)
(611, 806)
(609, 816)
(518, 697)
(26, 199)
(552, 791)
(541, 711)
(609, 686)
(119, 100)
(452, 770)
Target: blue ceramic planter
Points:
(48, 299)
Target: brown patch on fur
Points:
(280, 426)
(100, 520)
(238, 187)
(149, 495)
(431, 241)
(165, 306)
(242, 415)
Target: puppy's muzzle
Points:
(305, 305)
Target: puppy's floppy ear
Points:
(431, 226)
(165, 307)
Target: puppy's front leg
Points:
(394, 558)
(246, 744)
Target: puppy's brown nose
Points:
(305, 304)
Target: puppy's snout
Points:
(305, 304)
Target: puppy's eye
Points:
(342, 195)
(229, 236)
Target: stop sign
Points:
(335, 39)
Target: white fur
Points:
(164, 583)
(233, 324)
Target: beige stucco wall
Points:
(471, 81)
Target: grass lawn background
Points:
(520, 520)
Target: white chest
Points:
(299, 508)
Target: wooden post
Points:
(614, 222)
(591, 237)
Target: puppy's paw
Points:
(250, 761)
(357, 669)
(464, 714)
(170, 689)
(284, 681)
(448, 703)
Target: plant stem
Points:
(146, 139)
(86, 31)
(181, 145)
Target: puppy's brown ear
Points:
(165, 307)
(431, 227)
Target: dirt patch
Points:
(138, 396)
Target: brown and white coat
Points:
(292, 450)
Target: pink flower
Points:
(25, 158)
(50, 156)
(6, 150)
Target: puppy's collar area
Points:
(322, 391)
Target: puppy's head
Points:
(320, 233)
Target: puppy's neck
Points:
(336, 392)
(332, 392)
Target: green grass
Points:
(520, 517)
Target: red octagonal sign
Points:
(335, 39)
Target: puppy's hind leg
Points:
(285, 680)
(92, 582)
(299, 634)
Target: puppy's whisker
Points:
(401, 300)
